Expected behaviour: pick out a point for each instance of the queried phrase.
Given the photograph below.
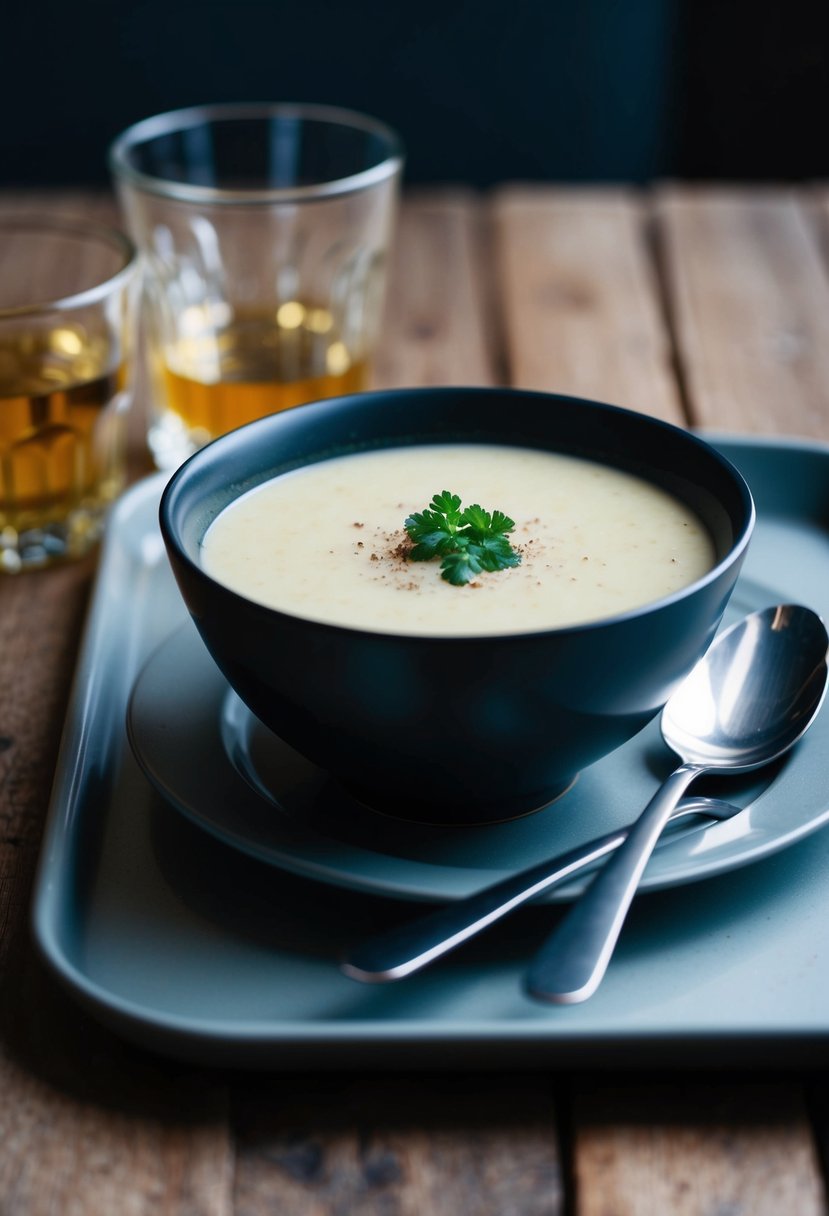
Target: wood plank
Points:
(104, 1154)
(40, 617)
(817, 1106)
(750, 304)
(86, 1125)
(693, 1149)
(441, 1145)
(87, 206)
(435, 329)
(581, 308)
(816, 201)
(647, 1151)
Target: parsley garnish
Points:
(468, 541)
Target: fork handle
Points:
(415, 944)
(411, 946)
(570, 965)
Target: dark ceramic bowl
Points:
(452, 729)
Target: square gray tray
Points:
(190, 948)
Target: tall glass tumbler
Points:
(66, 304)
(264, 230)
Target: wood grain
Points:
(694, 1150)
(580, 297)
(750, 306)
(62, 1153)
(42, 615)
(435, 329)
(404, 1145)
(816, 201)
(86, 206)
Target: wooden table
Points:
(703, 306)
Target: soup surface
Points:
(327, 541)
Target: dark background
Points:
(481, 90)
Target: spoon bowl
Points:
(754, 693)
(745, 704)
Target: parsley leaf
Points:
(467, 541)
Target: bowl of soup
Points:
(294, 544)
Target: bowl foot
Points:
(461, 813)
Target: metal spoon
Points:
(745, 703)
(412, 946)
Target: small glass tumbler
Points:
(66, 324)
(265, 230)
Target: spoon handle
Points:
(570, 965)
(412, 946)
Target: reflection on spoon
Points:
(749, 700)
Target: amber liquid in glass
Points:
(258, 363)
(61, 450)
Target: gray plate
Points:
(214, 761)
(198, 949)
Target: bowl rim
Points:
(733, 556)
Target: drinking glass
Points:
(66, 302)
(264, 230)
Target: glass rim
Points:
(194, 116)
(103, 233)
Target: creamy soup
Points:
(327, 541)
